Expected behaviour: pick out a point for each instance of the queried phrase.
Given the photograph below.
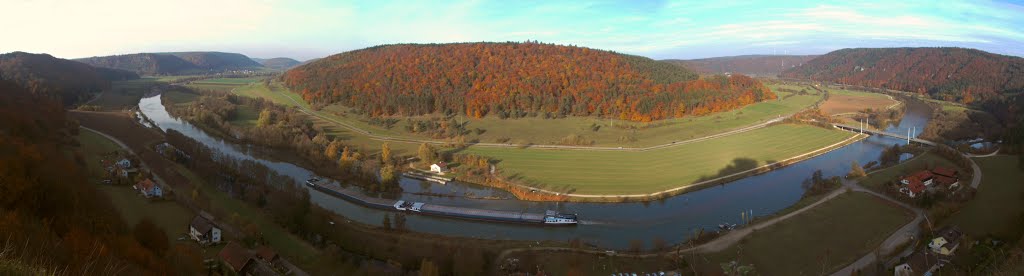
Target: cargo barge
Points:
(427, 176)
(547, 218)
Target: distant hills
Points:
(177, 63)
(956, 74)
(515, 80)
(281, 63)
(69, 81)
(751, 65)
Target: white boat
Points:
(403, 205)
(552, 217)
(312, 181)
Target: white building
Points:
(439, 167)
(204, 231)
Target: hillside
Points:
(752, 65)
(955, 74)
(174, 63)
(281, 63)
(67, 80)
(515, 80)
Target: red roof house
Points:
(915, 187)
(943, 171)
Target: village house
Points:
(913, 187)
(149, 189)
(917, 183)
(204, 231)
(947, 242)
(244, 262)
(946, 177)
(922, 262)
(439, 167)
(124, 163)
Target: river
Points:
(610, 225)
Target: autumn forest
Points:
(513, 80)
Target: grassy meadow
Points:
(223, 84)
(820, 240)
(629, 172)
(996, 208)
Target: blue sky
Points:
(306, 29)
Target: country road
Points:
(904, 234)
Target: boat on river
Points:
(350, 194)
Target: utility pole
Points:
(908, 136)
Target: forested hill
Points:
(751, 65)
(281, 63)
(957, 74)
(174, 63)
(516, 80)
(69, 81)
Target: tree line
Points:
(51, 218)
(514, 80)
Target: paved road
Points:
(905, 233)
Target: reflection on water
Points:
(605, 224)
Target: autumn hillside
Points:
(512, 80)
(69, 81)
(964, 75)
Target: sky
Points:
(305, 29)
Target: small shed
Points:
(439, 167)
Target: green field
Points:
(223, 84)
(820, 240)
(999, 204)
(534, 130)
(613, 172)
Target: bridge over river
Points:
(879, 132)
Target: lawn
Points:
(997, 207)
(177, 97)
(223, 84)
(845, 101)
(820, 240)
(877, 180)
(93, 148)
(629, 172)
(549, 131)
